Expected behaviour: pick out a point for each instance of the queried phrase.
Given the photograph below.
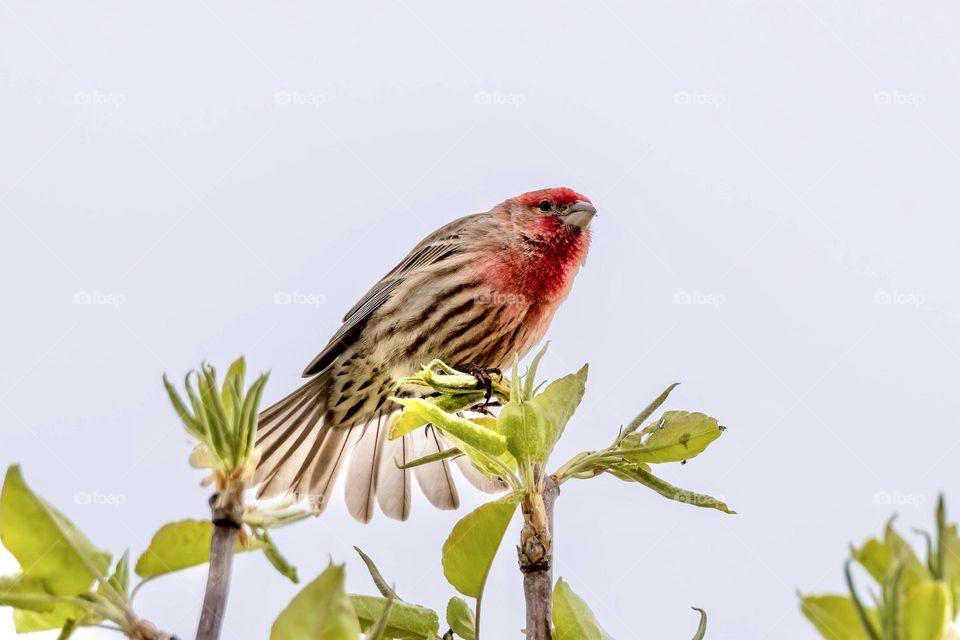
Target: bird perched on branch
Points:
(478, 291)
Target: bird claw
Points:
(485, 406)
(484, 376)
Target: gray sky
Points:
(788, 169)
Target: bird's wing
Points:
(436, 247)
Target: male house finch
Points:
(480, 290)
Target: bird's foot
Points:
(484, 376)
(485, 406)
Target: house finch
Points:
(479, 291)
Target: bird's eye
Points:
(545, 205)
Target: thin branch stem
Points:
(476, 618)
(227, 510)
(536, 558)
(139, 585)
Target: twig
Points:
(227, 510)
(536, 558)
(143, 630)
(476, 617)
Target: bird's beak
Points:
(579, 214)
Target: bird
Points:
(478, 293)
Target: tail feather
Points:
(303, 452)
(435, 479)
(280, 421)
(282, 433)
(479, 480)
(393, 483)
(279, 446)
(325, 467)
(270, 418)
(293, 448)
(364, 470)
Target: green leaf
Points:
(25, 592)
(937, 560)
(914, 571)
(932, 565)
(702, 627)
(835, 617)
(446, 454)
(404, 620)
(321, 611)
(530, 380)
(221, 432)
(864, 614)
(875, 556)
(637, 422)
(379, 629)
(889, 608)
(679, 435)
(450, 403)
(572, 618)
(559, 401)
(30, 621)
(194, 426)
(233, 386)
(249, 417)
(199, 413)
(927, 611)
(637, 473)
(44, 542)
(526, 431)
(460, 619)
(469, 550)
(949, 545)
(179, 545)
(276, 559)
(120, 579)
(468, 431)
(202, 457)
(385, 589)
(516, 386)
(533, 426)
(25, 621)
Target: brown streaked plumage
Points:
(478, 290)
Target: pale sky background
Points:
(787, 168)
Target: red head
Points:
(549, 240)
(558, 195)
(549, 213)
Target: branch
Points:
(227, 511)
(536, 558)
